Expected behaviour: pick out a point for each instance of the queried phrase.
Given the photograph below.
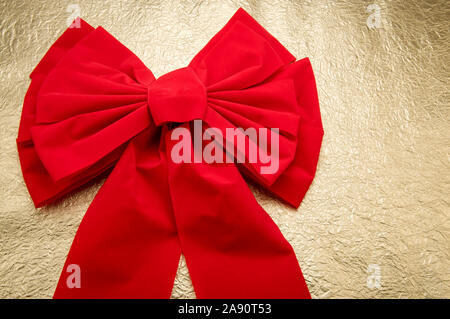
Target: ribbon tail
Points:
(232, 247)
(127, 244)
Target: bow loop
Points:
(241, 55)
(268, 120)
(104, 99)
(251, 83)
(82, 107)
(178, 96)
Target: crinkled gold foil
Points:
(375, 222)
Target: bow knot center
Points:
(178, 96)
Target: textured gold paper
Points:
(375, 222)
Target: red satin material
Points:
(93, 105)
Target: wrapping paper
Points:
(375, 222)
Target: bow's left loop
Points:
(82, 107)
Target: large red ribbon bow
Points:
(93, 107)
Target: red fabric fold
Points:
(93, 105)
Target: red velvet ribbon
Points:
(94, 107)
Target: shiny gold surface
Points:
(375, 222)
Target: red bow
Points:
(93, 105)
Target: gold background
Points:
(381, 191)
